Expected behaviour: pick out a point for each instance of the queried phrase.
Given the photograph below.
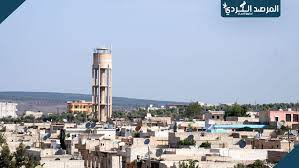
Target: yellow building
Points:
(80, 106)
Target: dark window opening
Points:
(295, 118)
(288, 117)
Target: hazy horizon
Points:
(162, 50)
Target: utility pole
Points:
(289, 140)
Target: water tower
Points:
(102, 84)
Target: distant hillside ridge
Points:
(56, 102)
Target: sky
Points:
(165, 50)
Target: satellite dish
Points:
(159, 152)
(64, 120)
(146, 141)
(59, 152)
(93, 124)
(88, 125)
(47, 136)
(279, 124)
(242, 144)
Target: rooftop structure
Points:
(215, 115)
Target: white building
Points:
(35, 114)
(8, 109)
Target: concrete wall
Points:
(243, 119)
(201, 164)
(245, 154)
(63, 163)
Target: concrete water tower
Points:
(102, 84)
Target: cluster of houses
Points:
(160, 142)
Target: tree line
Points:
(194, 110)
(56, 117)
(17, 159)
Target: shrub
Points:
(244, 129)
(205, 145)
(257, 164)
(240, 165)
(189, 164)
(188, 142)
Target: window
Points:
(288, 117)
(276, 119)
(295, 118)
(213, 116)
(217, 117)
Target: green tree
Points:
(189, 164)
(2, 139)
(20, 156)
(205, 145)
(28, 119)
(240, 165)
(257, 164)
(21, 159)
(193, 110)
(236, 110)
(70, 117)
(5, 157)
(188, 141)
(30, 162)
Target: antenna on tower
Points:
(237, 100)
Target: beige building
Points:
(215, 115)
(102, 84)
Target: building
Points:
(35, 114)
(280, 117)
(272, 144)
(8, 109)
(253, 114)
(158, 121)
(80, 106)
(151, 107)
(102, 84)
(215, 115)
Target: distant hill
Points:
(56, 102)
